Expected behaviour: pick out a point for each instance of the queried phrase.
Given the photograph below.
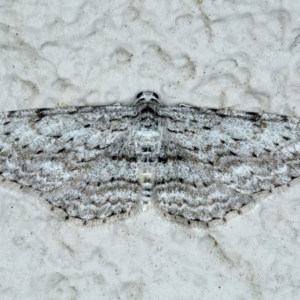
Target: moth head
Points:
(146, 97)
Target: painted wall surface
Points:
(203, 53)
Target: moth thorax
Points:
(148, 123)
(147, 142)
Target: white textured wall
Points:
(206, 53)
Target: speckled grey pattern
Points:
(196, 163)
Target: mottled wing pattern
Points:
(212, 161)
(63, 153)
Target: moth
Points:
(195, 163)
